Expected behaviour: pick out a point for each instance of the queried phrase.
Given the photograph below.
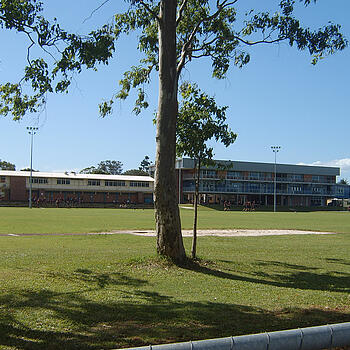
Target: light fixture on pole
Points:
(31, 131)
(275, 149)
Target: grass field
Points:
(53, 220)
(104, 292)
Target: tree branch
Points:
(154, 15)
(263, 41)
(95, 10)
(186, 48)
(181, 10)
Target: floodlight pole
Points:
(31, 131)
(275, 149)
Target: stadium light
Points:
(31, 131)
(275, 149)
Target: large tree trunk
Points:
(168, 225)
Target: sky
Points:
(279, 98)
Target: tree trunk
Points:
(168, 225)
(196, 197)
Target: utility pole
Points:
(31, 131)
(275, 149)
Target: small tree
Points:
(200, 120)
(145, 164)
(343, 182)
(6, 165)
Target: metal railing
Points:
(311, 338)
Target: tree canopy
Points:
(200, 120)
(135, 172)
(108, 167)
(145, 164)
(7, 165)
(29, 169)
(203, 28)
(343, 182)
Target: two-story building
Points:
(240, 182)
(79, 188)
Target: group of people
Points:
(69, 202)
(227, 205)
(247, 206)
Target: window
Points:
(252, 187)
(208, 174)
(297, 177)
(340, 190)
(254, 176)
(318, 178)
(317, 190)
(234, 175)
(93, 182)
(63, 181)
(139, 184)
(2, 178)
(115, 183)
(39, 180)
(296, 188)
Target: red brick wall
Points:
(18, 190)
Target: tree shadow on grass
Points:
(338, 261)
(78, 319)
(153, 319)
(289, 276)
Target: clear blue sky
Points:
(279, 98)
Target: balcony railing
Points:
(260, 191)
(254, 179)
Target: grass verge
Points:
(104, 292)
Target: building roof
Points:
(188, 163)
(77, 176)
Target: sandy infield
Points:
(225, 232)
(185, 233)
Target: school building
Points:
(242, 182)
(232, 181)
(76, 188)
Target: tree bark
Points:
(168, 225)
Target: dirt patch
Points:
(185, 233)
(234, 233)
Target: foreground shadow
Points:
(288, 276)
(154, 318)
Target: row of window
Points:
(63, 181)
(228, 186)
(139, 184)
(109, 183)
(39, 180)
(213, 174)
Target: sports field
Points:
(111, 291)
(53, 220)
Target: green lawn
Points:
(93, 292)
(52, 220)
(104, 292)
